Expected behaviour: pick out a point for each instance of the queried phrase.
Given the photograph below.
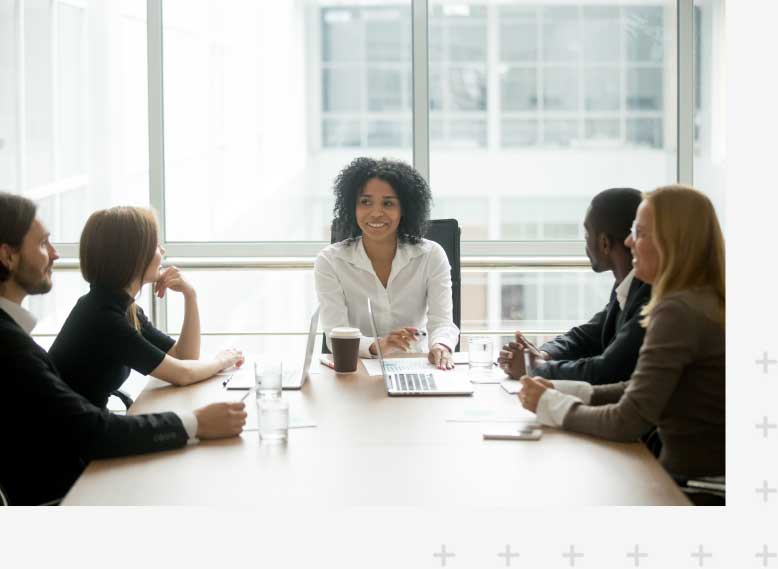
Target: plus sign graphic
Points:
(765, 426)
(572, 555)
(766, 490)
(701, 555)
(507, 555)
(766, 556)
(443, 555)
(636, 555)
(765, 362)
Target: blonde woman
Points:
(106, 333)
(678, 383)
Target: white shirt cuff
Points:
(553, 407)
(579, 389)
(445, 341)
(190, 426)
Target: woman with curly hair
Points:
(381, 208)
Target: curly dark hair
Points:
(411, 189)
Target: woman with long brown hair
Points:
(107, 333)
(679, 382)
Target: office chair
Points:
(706, 490)
(447, 234)
(124, 397)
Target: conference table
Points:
(369, 450)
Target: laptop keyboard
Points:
(414, 382)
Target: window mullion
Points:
(156, 135)
(420, 74)
(685, 87)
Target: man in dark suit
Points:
(605, 349)
(48, 433)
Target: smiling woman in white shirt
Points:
(382, 206)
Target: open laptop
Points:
(421, 382)
(295, 375)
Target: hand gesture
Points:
(171, 278)
(220, 420)
(532, 389)
(440, 356)
(511, 360)
(395, 341)
(230, 357)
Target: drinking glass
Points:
(268, 377)
(272, 419)
(481, 351)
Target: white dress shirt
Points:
(417, 294)
(622, 291)
(27, 321)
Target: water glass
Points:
(268, 378)
(480, 351)
(272, 419)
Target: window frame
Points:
(475, 254)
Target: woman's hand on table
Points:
(532, 390)
(440, 356)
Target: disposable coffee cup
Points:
(345, 349)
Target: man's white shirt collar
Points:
(622, 291)
(19, 314)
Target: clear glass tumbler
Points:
(268, 377)
(480, 351)
(273, 419)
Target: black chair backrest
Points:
(447, 234)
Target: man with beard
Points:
(48, 432)
(605, 349)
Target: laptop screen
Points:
(375, 337)
(311, 340)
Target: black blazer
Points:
(48, 433)
(605, 349)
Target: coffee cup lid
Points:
(345, 332)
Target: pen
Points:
(242, 399)
(226, 380)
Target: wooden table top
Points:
(371, 450)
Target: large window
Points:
(266, 101)
(532, 108)
(710, 152)
(535, 107)
(73, 112)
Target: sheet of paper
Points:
(512, 386)
(296, 421)
(461, 358)
(475, 415)
(491, 374)
(395, 365)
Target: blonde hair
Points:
(690, 244)
(116, 247)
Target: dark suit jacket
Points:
(605, 349)
(48, 433)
